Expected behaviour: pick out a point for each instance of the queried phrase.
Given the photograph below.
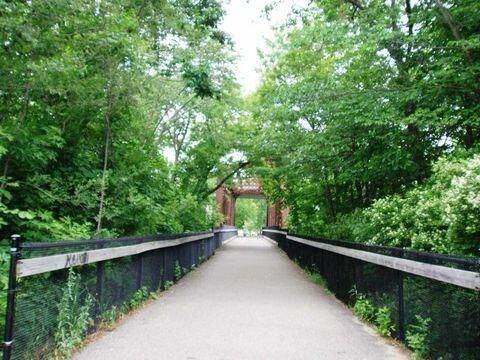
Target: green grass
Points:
(317, 278)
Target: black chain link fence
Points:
(435, 319)
(55, 310)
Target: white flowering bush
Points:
(462, 208)
(442, 215)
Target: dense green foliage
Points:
(123, 117)
(360, 100)
(250, 214)
(368, 112)
(417, 337)
(4, 261)
(91, 96)
(443, 215)
(367, 126)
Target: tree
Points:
(91, 93)
(358, 100)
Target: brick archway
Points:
(252, 188)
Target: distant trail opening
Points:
(251, 213)
(247, 188)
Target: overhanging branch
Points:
(356, 3)
(221, 182)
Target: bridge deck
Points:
(248, 302)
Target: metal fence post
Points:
(12, 284)
(140, 272)
(99, 291)
(401, 308)
(192, 254)
(164, 269)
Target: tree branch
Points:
(356, 3)
(221, 182)
(174, 115)
(452, 26)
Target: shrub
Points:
(417, 337)
(364, 308)
(178, 271)
(443, 215)
(383, 321)
(110, 316)
(139, 297)
(168, 284)
(73, 316)
(4, 262)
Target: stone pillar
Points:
(275, 216)
(272, 219)
(283, 220)
(222, 205)
(231, 209)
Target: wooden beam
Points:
(463, 278)
(224, 230)
(35, 266)
(275, 231)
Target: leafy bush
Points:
(110, 316)
(441, 216)
(4, 261)
(139, 297)
(346, 226)
(178, 271)
(417, 337)
(41, 225)
(364, 308)
(73, 317)
(383, 321)
(168, 284)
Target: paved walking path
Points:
(248, 302)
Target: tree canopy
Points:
(360, 100)
(124, 117)
(92, 94)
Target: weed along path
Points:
(248, 302)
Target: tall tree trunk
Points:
(359, 191)
(452, 25)
(471, 134)
(329, 200)
(106, 150)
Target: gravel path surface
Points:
(248, 302)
